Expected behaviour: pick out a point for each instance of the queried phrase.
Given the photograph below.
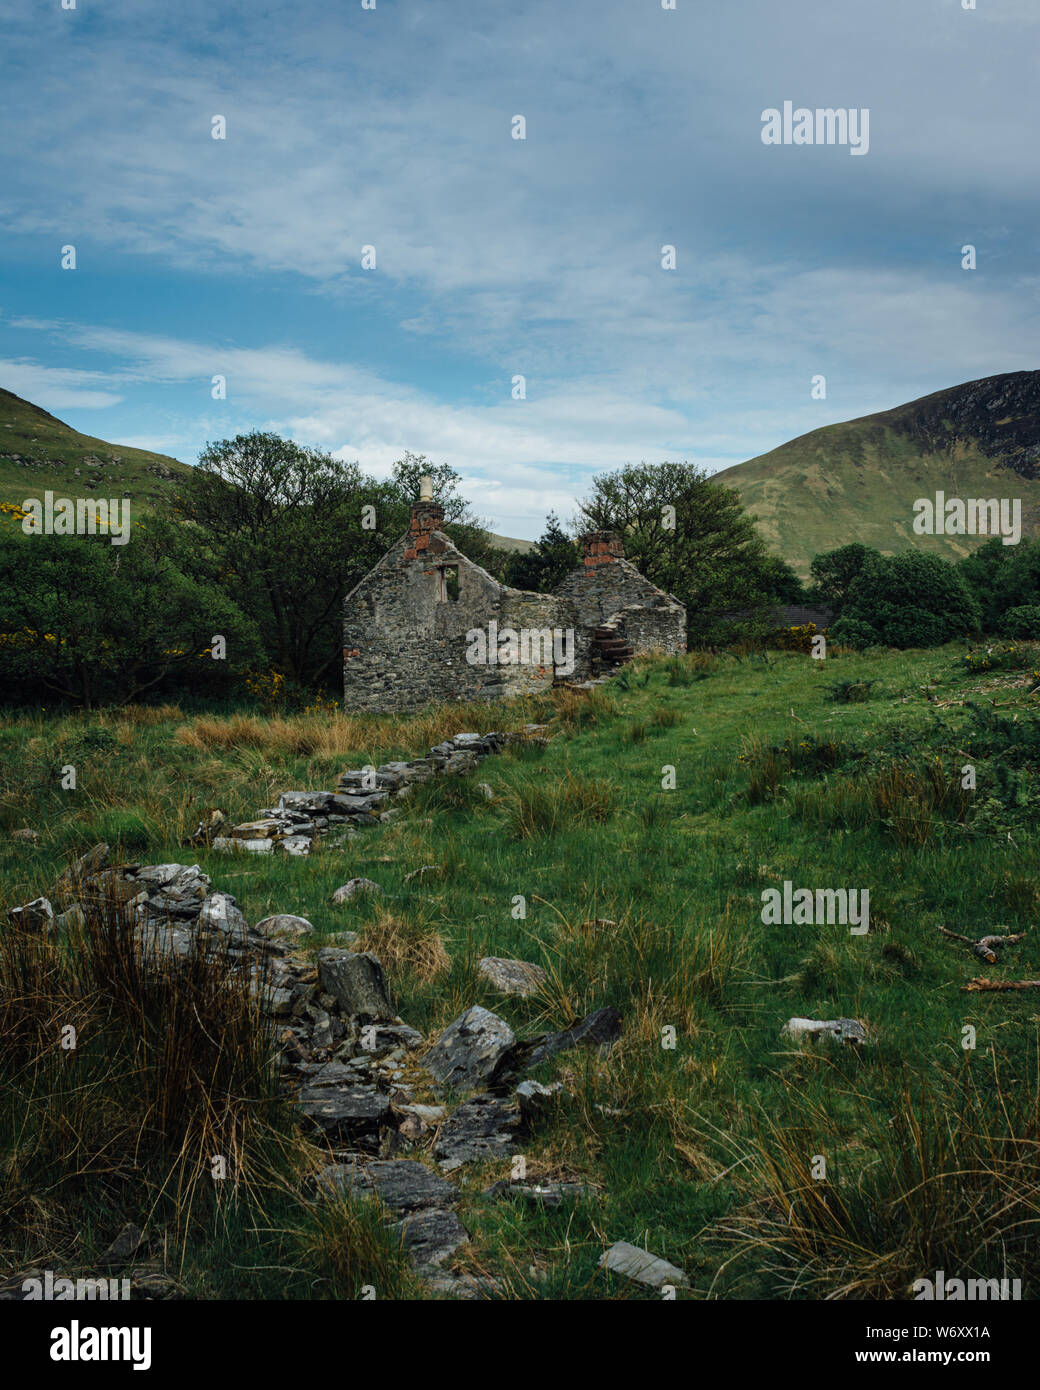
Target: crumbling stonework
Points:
(410, 624)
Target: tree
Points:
(834, 571)
(549, 561)
(96, 624)
(288, 531)
(908, 600)
(712, 558)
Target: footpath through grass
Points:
(762, 1167)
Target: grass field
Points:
(843, 773)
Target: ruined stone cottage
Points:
(428, 625)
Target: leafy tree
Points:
(834, 571)
(95, 623)
(287, 530)
(908, 600)
(1023, 624)
(551, 560)
(1003, 577)
(713, 558)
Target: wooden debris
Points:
(984, 984)
(986, 947)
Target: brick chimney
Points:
(602, 548)
(427, 517)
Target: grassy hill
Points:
(39, 451)
(858, 481)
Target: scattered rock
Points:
(470, 1051)
(846, 1030)
(356, 981)
(32, 916)
(512, 976)
(353, 888)
(243, 846)
(483, 1127)
(543, 1194)
(83, 868)
(640, 1265)
(285, 924)
(345, 1112)
(385, 1037)
(221, 913)
(423, 871)
(401, 1184)
(431, 1236)
(601, 1029)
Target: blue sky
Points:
(391, 127)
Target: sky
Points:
(392, 127)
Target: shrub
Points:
(852, 632)
(1022, 623)
(911, 600)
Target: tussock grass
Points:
(409, 948)
(948, 1178)
(548, 805)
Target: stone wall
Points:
(406, 624)
(606, 586)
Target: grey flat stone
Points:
(512, 976)
(353, 889)
(356, 981)
(640, 1265)
(431, 1236)
(470, 1051)
(401, 1184)
(482, 1128)
(284, 924)
(344, 1112)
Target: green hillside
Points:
(39, 451)
(858, 481)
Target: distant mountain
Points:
(858, 481)
(38, 451)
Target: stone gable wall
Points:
(404, 639)
(405, 632)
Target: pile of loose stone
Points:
(352, 1065)
(363, 1081)
(365, 797)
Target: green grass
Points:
(650, 900)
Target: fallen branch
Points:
(986, 947)
(983, 984)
